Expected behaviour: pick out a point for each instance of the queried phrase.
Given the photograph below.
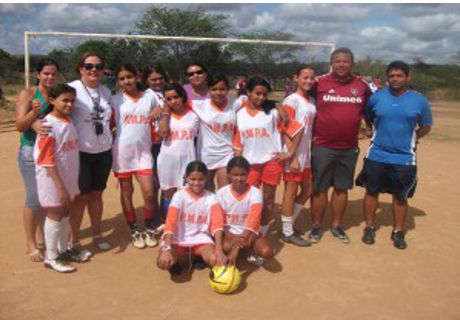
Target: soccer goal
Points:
(326, 48)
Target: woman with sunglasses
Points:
(91, 116)
(197, 75)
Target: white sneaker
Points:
(59, 266)
(255, 260)
(159, 230)
(138, 239)
(150, 239)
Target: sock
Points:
(164, 208)
(130, 217)
(263, 229)
(51, 238)
(148, 218)
(297, 209)
(63, 234)
(287, 228)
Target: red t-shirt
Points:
(340, 105)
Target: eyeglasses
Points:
(195, 73)
(90, 66)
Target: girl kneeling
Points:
(194, 219)
(242, 206)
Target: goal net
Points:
(274, 59)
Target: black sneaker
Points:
(340, 235)
(175, 270)
(296, 240)
(75, 255)
(369, 235)
(315, 234)
(398, 239)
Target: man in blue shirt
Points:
(399, 117)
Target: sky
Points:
(426, 32)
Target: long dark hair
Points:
(46, 62)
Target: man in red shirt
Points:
(340, 101)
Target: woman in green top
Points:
(31, 105)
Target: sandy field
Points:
(330, 280)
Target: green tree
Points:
(264, 57)
(159, 20)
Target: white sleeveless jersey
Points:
(303, 111)
(178, 150)
(58, 149)
(193, 219)
(216, 135)
(131, 147)
(83, 114)
(241, 212)
(259, 134)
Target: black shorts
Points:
(398, 180)
(94, 171)
(333, 168)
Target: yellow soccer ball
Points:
(224, 279)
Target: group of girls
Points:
(180, 145)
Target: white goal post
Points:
(28, 34)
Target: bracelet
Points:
(166, 247)
(164, 114)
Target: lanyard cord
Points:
(96, 101)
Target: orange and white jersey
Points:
(83, 116)
(217, 130)
(57, 149)
(131, 147)
(259, 134)
(303, 111)
(193, 219)
(178, 150)
(241, 212)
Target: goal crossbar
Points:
(28, 34)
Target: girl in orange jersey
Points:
(259, 138)
(297, 173)
(57, 163)
(217, 126)
(131, 152)
(178, 149)
(194, 224)
(242, 207)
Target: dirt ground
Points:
(327, 281)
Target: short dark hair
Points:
(216, 78)
(126, 67)
(196, 166)
(157, 68)
(178, 88)
(59, 89)
(196, 63)
(303, 67)
(238, 162)
(399, 65)
(346, 51)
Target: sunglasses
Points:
(195, 73)
(90, 66)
